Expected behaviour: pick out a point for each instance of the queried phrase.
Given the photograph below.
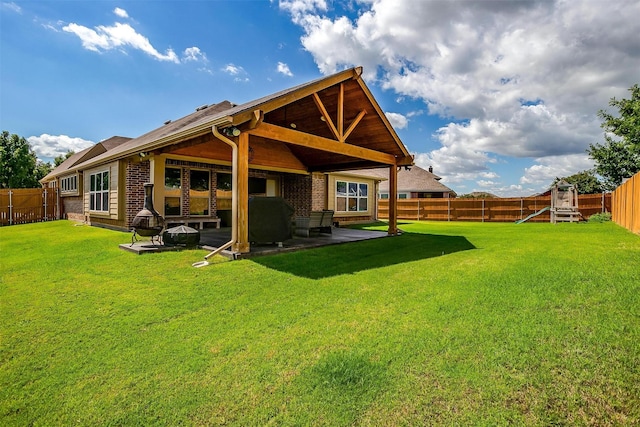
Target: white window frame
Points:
(99, 196)
(353, 194)
(69, 184)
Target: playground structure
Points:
(543, 210)
(564, 203)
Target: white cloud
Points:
(516, 79)
(12, 6)
(232, 69)
(120, 12)
(49, 146)
(240, 75)
(117, 36)
(194, 54)
(547, 169)
(397, 120)
(284, 69)
(299, 8)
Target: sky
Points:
(498, 96)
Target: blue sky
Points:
(497, 96)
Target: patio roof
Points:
(332, 123)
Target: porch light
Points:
(293, 125)
(231, 131)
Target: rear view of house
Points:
(205, 166)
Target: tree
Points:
(18, 163)
(585, 181)
(619, 158)
(57, 161)
(42, 169)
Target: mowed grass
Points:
(448, 324)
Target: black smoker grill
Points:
(148, 222)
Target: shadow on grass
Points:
(350, 258)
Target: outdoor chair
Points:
(320, 221)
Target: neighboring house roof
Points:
(296, 108)
(415, 180)
(80, 157)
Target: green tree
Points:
(619, 157)
(57, 161)
(42, 169)
(585, 181)
(18, 163)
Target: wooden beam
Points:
(383, 117)
(326, 116)
(256, 119)
(393, 200)
(294, 95)
(355, 165)
(353, 125)
(242, 244)
(290, 136)
(341, 113)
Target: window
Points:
(69, 184)
(384, 196)
(352, 196)
(99, 192)
(172, 190)
(199, 192)
(402, 196)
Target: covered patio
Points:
(212, 238)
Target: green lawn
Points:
(448, 324)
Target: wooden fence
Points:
(626, 204)
(485, 210)
(24, 205)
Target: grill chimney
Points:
(430, 169)
(148, 222)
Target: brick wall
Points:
(297, 191)
(73, 208)
(136, 175)
(185, 185)
(318, 191)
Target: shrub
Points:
(600, 217)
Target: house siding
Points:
(110, 218)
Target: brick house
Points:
(413, 183)
(284, 144)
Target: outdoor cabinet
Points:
(269, 219)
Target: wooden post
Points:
(242, 244)
(393, 200)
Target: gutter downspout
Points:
(234, 197)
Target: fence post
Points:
(418, 215)
(448, 209)
(44, 217)
(482, 210)
(602, 203)
(521, 207)
(10, 208)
